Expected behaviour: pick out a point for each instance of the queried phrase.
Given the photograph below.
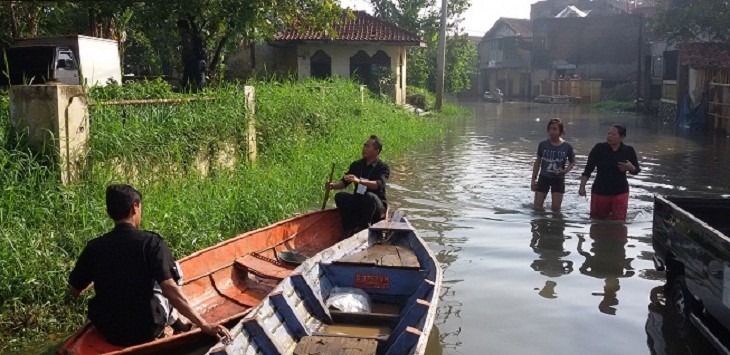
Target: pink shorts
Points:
(609, 207)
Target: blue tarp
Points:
(693, 118)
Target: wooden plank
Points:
(385, 225)
(316, 345)
(263, 268)
(151, 101)
(407, 257)
(383, 255)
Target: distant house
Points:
(606, 48)
(364, 47)
(504, 57)
(576, 8)
(698, 74)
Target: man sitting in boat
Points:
(134, 276)
(367, 203)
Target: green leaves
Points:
(423, 18)
(697, 20)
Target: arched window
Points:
(320, 65)
(381, 59)
(360, 67)
(381, 66)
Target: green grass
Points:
(615, 106)
(301, 131)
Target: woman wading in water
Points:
(552, 156)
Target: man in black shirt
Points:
(367, 204)
(124, 267)
(610, 191)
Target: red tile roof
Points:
(705, 55)
(363, 28)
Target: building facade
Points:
(504, 58)
(365, 48)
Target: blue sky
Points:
(481, 15)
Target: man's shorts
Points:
(546, 184)
(609, 207)
(161, 306)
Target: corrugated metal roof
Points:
(363, 28)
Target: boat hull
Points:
(225, 281)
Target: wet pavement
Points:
(518, 281)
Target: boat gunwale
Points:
(87, 326)
(420, 346)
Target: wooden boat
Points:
(227, 280)
(389, 262)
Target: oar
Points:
(326, 190)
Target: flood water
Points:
(518, 281)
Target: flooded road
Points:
(518, 281)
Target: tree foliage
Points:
(705, 20)
(422, 17)
(153, 33)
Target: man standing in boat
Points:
(367, 203)
(135, 278)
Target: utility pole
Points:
(441, 58)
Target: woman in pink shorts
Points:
(610, 191)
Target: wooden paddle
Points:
(326, 190)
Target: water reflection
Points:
(662, 336)
(607, 260)
(547, 242)
(470, 197)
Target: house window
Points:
(360, 67)
(381, 66)
(320, 65)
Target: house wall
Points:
(605, 48)
(261, 59)
(504, 62)
(341, 53)
(265, 59)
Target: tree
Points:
(422, 17)
(705, 20)
(207, 28)
(200, 31)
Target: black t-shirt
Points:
(123, 265)
(377, 171)
(609, 180)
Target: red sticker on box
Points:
(372, 281)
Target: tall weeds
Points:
(302, 128)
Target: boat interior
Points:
(713, 212)
(390, 264)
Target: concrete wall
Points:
(53, 120)
(341, 54)
(605, 48)
(260, 60)
(266, 59)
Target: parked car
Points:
(690, 239)
(494, 96)
(70, 60)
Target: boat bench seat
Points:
(262, 266)
(381, 315)
(311, 345)
(383, 255)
